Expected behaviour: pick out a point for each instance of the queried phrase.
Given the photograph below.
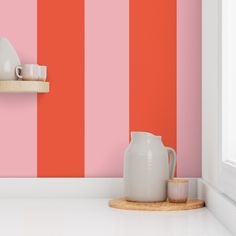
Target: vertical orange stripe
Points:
(153, 68)
(61, 112)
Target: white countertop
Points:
(88, 217)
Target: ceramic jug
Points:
(8, 60)
(147, 168)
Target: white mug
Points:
(28, 72)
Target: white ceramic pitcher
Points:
(8, 60)
(147, 169)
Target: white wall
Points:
(210, 89)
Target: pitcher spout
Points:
(141, 134)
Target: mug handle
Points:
(172, 154)
(18, 69)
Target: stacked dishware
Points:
(12, 69)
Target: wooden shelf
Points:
(19, 86)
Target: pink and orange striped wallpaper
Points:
(114, 66)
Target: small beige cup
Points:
(177, 190)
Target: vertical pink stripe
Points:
(106, 86)
(189, 88)
(18, 113)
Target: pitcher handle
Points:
(172, 154)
